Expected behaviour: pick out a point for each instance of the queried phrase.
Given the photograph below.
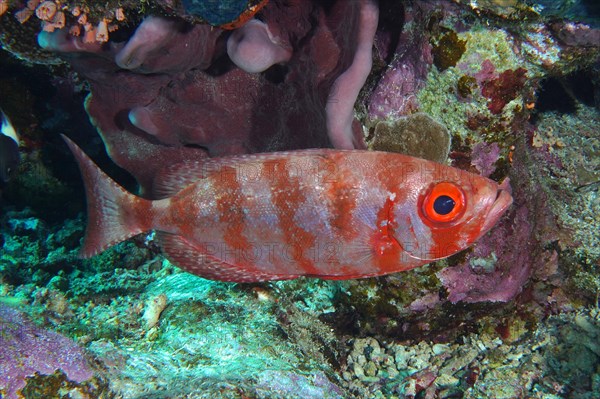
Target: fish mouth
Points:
(500, 205)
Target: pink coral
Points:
(27, 350)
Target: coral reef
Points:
(91, 22)
(514, 84)
(395, 92)
(484, 366)
(142, 323)
(135, 109)
(567, 148)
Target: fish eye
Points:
(443, 205)
(444, 202)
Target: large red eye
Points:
(445, 202)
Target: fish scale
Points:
(333, 214)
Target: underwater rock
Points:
(231, 343)
(20, 40)
(90, 22)
(223, 12)
(495, 270)
(396, 91)
(576, 34)
(584, 11)
(291, 385)
(418, 135)
(567, 157)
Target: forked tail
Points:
(114, 214)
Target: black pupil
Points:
(443, 205)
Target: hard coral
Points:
(417, 135)
(46, 10)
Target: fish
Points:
(324, 213)
(9, 149)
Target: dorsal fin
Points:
(172, 179)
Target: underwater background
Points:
(507, 89)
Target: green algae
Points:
(438, 98)
(209, 332)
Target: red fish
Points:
(332, 214)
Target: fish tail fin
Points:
(114, 215)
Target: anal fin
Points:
(192, 259)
